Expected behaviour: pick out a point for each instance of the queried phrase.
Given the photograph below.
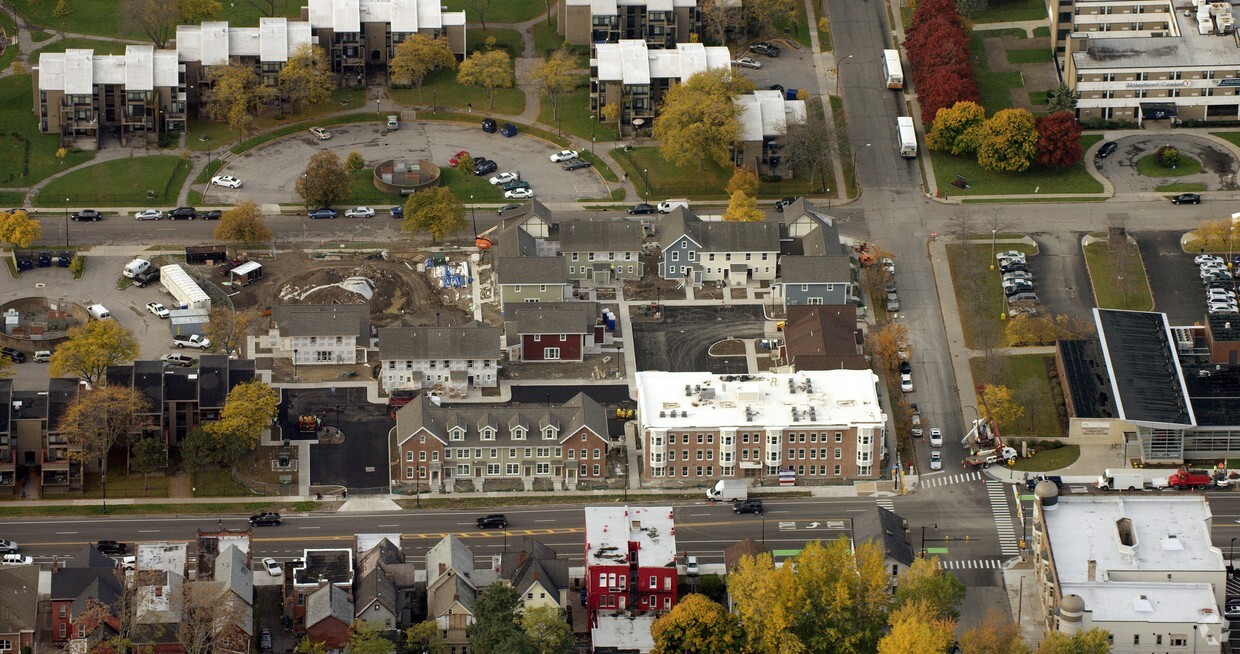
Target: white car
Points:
(1222, 293)
(936, 460)
(1010, 254)
(17, 559)
(936, 437)
(1008, 283)
(149, 214)
(563, 155)
(320, 133)
(1207, 258)
(746, 62)
(157, 309)
(691, 566)
(227, 181)
(360, 212)
(1209, 270)
(888, 265)
(503, 178)
(273, 567)
(906, 383)
(519, 194)
(1018, 274)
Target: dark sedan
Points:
(182, 213)
(1186, 198)
(642, 208)
(325, 212)
(1107, 149)
(576, 164)
(213, 214)
(485, 168)
(89, 215)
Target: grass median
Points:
(1117, 274)
(1038, 179)
(153, 181)
(656, 177)
(978, 293)
(1027, 375)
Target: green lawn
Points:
(842, 145)
(10, 51)
(1038, 97)
(363, 192)
(978, 293)
(1029, 56)
(1149, 166)
(208, 171)
(1036, 179)
(1040, 32)
(995, 86)
(1118, 278)
(545, 37)
(667, 180)
(100, 16)
(441, 89)
(1232, 137)
(1011, 10)
(12, 198)
(465, 184)
(575, 116)
(29, 156)
(1053, 459)
(218, 136)
(500, 11)
(797, 29)
(505, 39)
(123, 485)
(100, 47)
(123, 182)
(1026, 375)
(214, 482)
(1181, 187)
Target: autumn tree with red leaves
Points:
(940, 60)
(1059, 140)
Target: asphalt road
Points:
(1174, 278)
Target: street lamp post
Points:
(1231, 558)
(434, 100)
(854, 165)
(934, 526)
(837, 72)
(646, 181)
(66, 222)
(993, 235)
(593, 126)
(295, 365)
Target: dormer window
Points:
(549, 433)
(456, 434)
(488, 433)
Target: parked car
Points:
(265, 519)
(272, 567)
(264, 640)
(360, 212)
(488, 125)
(146, 277)
(183, 213)
(193, 340)
(486, 167)
(783, 202)
(393, 121)
(762, 47)
(227, 181)
(893, 301)
(12, 354)
(691, 566)
(936, 437)
(1016, 283)
(1207, 258)
(1033, 482)
(906, 383)
(8, 546)
(1222, 308)
(325, 212)
(506, 208)
(157, 309)
(456, 158)
(746, 62)
(936, 460)
(1027, 296)
(641, 208)
(397, 211)
(576, 164)
(87, 215)
(503, 178)
(514, 184)
(213, 214)
(16, 559)
(493, 521)
(748, 506)
(1107, 149)
(1013, 266)
(1018, 274)
(509, 130)
(519, 194)
(563, 155)
(320, 133)
(179, 360)
(1009, 254)
(1017, 287)
(905, 367)
(1186, 198)
(111, 547)
(149, 214)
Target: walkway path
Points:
(826, 70)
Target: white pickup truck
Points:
(191, 341)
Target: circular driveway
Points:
(270, 171)
(1218, 164)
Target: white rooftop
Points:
(1170, 533)
(611, 7)
(163, 557)
(1180, 603)
(212, 43)
(405, 16)
(680, 400)
(610, 529)
(367, 542)
(631, 62)
(623, 632)
(767, 114)
(76, 71)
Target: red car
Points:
(456, 158)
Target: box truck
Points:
(728, 490)
(908, 137)
(1133, 479)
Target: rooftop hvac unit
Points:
(684, 414)
(1226, 24)
(813, 413)
(662, 414)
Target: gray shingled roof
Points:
(718, 236)
(568, 417)
(453, 554)
(328, 601)
(815, 270)
(513, 241)
(324, 320)
(887, 529)
(600, 236)
(551, 318)
(19, 598)
(531, 270)
(471, 341)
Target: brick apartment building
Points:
(630, 559)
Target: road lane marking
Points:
(148, 531)
(66, 533)
(316, 527)
(389, 525)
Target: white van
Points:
(98, 312)
(42, 356)
(136, 267)
(666, 206)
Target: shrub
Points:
(77, 266)
(1168, 157)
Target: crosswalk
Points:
(935, 482)
(972, 564)
(998, 493)
(887, 503)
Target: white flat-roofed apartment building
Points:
(360, 36)
(1138, 60)
(79, 94)
(636, 76)
(660, 23)
(820, 426)
(765, 117)
(1141, 567)
(266, 48)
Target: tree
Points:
(18, 229)
(743, 208)
(148, 455)
(765, 12)
(698, 119)
(6, 367)
(248, 410)
(91, 348)
(193, 12)
(714, 588)
(945, 90)
(1060, 99)
(1010, 142)
(1059, 140)
(62, 9)
(885, 343)
(307, 646)
(1214, 236)
(999, 404)
(718, 16)
(957, 129)
(479, 7)
(1094, 641)
(426, 637)
(1167, 156)
(198, 451)
(101, 418)
(697, 625)
(926, 581)
(809, 145)
(306, 77)
(916, 628)
(210, 615)
(743, 180)
(465, 163)
(611, 113)
(553, 78)
(497, 627)
(994, 635)
(244, 223)
(365, 639)
(156, 19)
(354, 162)
(418, 56)
(235, 95)
(269, 7)
(435, 211)
(1025, 329)
(227, 328)
(489, 71)
(547, 631)
(325, 181)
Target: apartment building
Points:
(700, 250)
(321, 334)
(1150, 60)
(601, 252)
(87, 98)
(630, 560)
(201, 49)
(361, 36)
(443, 358)
(660, 23)
(812, 426)
(636, 76)
(765, 117)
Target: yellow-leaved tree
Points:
(698, 119)
(248, 410)
(489, 71)
(999, 404)
(916, 628)
(743, 208)
(697, 624)
(91, 348)
(243, 223)
(18, 229)
(419, 56)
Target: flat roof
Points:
(631, 62)
(610, 529)
(1214, 391)
(1133, 601)
(1145, 368)
(1089, 382)
(624, 633)
(1189, 48)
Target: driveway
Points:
(360, 462)
(1218, 166)
(1059, 275)
(271, 171)
(680, 342)
(1173, 277)
(792, 69)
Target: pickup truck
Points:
(191, 341)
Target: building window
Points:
(839, 454)
(492, 469)
(512, 469)
(422, 455)
(551, 354)
(409, 472)
(421, 472)
(837, 471)
(408, 457)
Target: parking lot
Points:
(679, 343)
(1173, 276)
(792, 69)
(1060, 277)
(271, 171)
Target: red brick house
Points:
(630, 559)
(73, 589)
(555, 331)
(434, 446)
(329, 614)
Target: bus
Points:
(892, 69)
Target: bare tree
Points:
(809, 146)
(479, 7)
(157, 19)
(211, 619)
(718, 16)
